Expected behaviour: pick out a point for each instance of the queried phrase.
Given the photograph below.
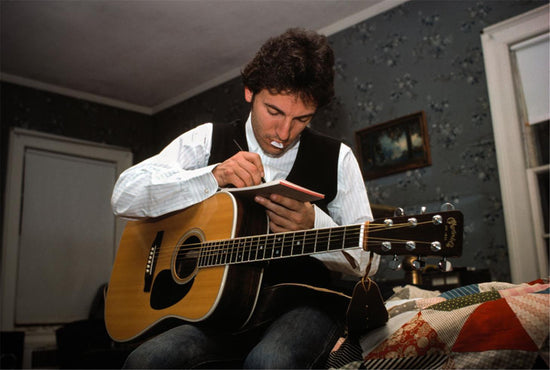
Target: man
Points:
(290, 77)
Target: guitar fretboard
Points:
(281, 245)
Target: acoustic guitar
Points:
(204, 264)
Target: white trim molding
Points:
(496, 41)
(56, 89)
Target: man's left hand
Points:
(287, 214)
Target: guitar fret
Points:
(288, 243)
(201, 255)
(219, 247)
(228, 246)
(336, 239)
(247, 249)
(270, 246)
(310, 240)
(215, 254)
(297, 243)
(277, 246)
(261, 248)
(355, 237)
(273, 246)
(344, 237)
(322, 240)
(237, 250)
(256, 243)
(240, 250)
(208, 255)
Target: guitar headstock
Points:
(437, 234)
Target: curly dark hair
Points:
(299, 62)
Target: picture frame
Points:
(394, 146)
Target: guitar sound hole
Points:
(185, 265)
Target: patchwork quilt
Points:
(488, 325)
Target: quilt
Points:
(487, 325)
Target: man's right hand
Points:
(243, 169)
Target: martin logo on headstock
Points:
(450, 232)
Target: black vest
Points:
(315, 167)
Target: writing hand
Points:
(287, 214)
(243, 169)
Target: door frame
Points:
(526, 263)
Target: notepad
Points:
(282, 187)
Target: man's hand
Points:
(243, 169)
(287, 214)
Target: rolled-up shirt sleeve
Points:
(178, 177)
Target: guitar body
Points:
(156, 277)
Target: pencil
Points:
(242, 150)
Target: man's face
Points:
(278, 119)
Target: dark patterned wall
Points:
(427, 55)
(60, 115)
(221, 104)
(423, 55)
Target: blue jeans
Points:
(300, 338)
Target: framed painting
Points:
(395, 146)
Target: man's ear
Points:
(248, 94)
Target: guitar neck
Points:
(434, 234)
(281, 245)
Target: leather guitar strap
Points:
(366, 310)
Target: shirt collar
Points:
(275, 167)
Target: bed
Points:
(486, 325)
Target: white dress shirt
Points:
(179, 176)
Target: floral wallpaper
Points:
(427, 55)
(422, 55)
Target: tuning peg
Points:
(435, 246)
(447, 207)
(410, 245)
(444, 265)
(395, 264)
(437, 219)
(418, 264)
(399, 212)
(386, 246)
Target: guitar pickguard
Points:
(166, 292)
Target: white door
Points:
(67, 236)
(59, 233)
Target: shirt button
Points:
(206, 191)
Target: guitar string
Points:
(316, 234)
(268, 242)
(219, 249)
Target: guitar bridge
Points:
(152, 261)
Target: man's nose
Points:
(283, 129)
